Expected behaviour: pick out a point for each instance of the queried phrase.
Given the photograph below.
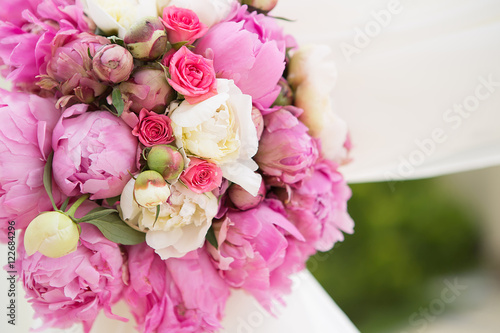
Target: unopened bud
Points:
(286, 94)
(53, 234)
(263, 5)
(244, 200)
(258, 121)
(166, 160)
(150, 189)
(113, 64)
(147, 39)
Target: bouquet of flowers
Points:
(163, 153)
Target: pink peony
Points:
(69, 69)
(26, 124)
(74, 288)
(192, 75)
(201, 176)
(254, 62)
(264, 26)
(174, 295)
(27, 31)
(153, 129)
(94, 152)
(252, 247)
(182, 25)
(318, 207)
(286, 153)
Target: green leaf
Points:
(282, 18)
(65, 204)
(211, 238)
(117, 40)
(96, 213)
(114, 229)
(112, 201)
(118, 103)
(47, 179)
(158, 208)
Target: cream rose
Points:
(220, 129)
(209, 12)
(116, 16)
(312, 75)
(182, 224)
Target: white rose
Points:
(116, 16)
(221, 130)
(182, 224)
(209, 12)
(312, 75)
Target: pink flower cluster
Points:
(211, 119)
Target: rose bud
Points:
(53, 234)
(286, 94)
(166, 160)
(147, 88)
(147, 39)
(150, 189)
(244, 200)
(262, 5)
(258, 121)
(113, 64)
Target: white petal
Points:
(242, 175)
(191, 115)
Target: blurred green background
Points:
(407, 235)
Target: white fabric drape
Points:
(400, 87)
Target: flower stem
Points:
(71, 212)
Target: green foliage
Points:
(403, 237)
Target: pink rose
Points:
(26, 124)
(94, 152)
(74, 288)
(153, 129)
(192, 75)
(286, 153)
(174, 295)
(182, 25)
(201, 176)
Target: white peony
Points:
(182, 224)
(209, 12)
(312, 75)
(220, 129)
(116, 16)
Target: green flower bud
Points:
(166, 160)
